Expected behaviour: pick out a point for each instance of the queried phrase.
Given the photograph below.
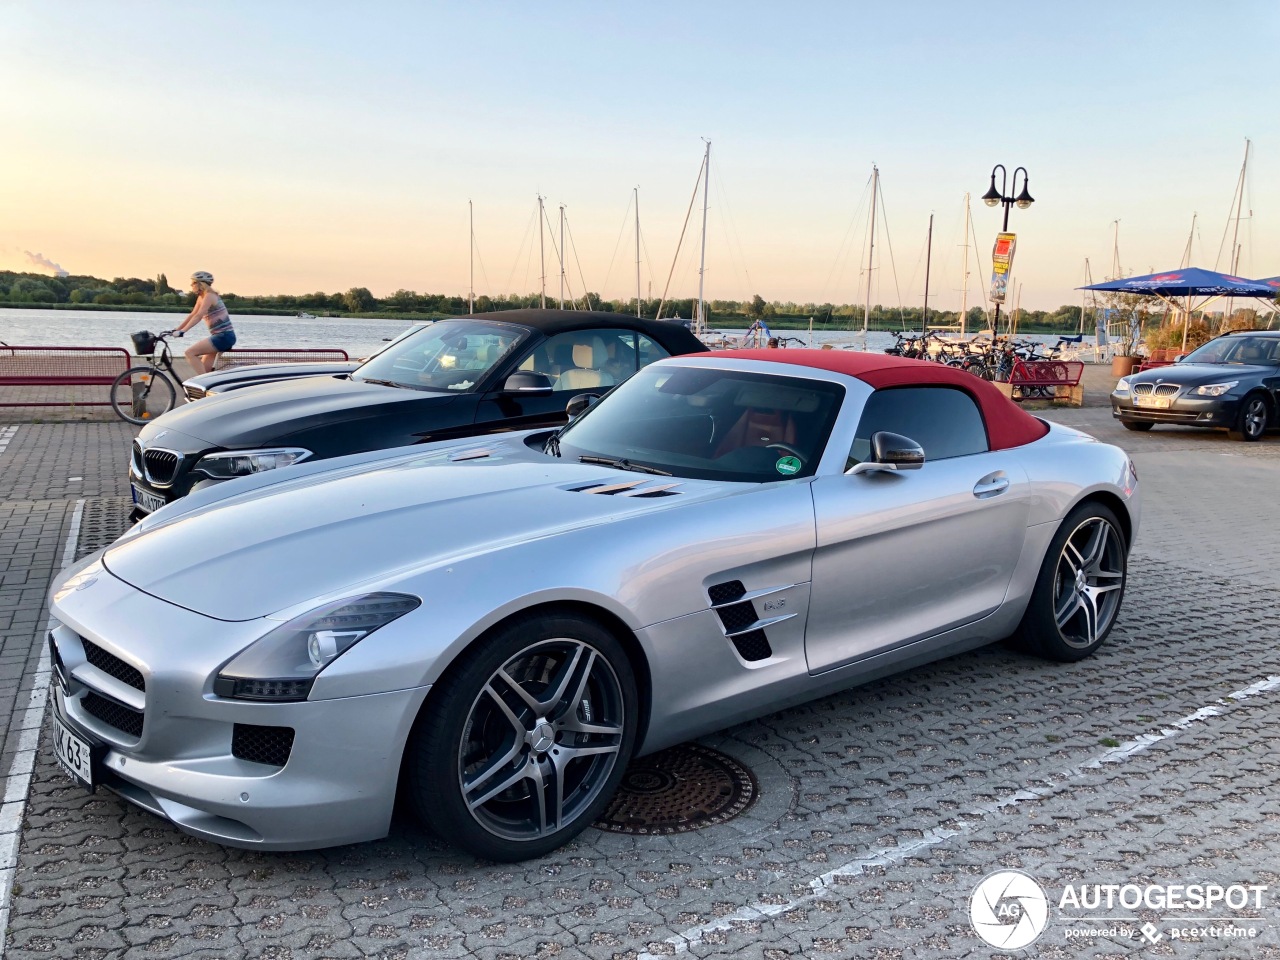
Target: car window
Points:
(452, 355)
(709, 423)
(1237, 349)
(945, 421)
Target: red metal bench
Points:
(1031, 377)
(25, 368)
(252, 355)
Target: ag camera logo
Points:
(1009, 910)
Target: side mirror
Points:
(891, 452)
(528, 384)
(580, 404)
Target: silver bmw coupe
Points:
(496, 627)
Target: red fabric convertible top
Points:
(1008, 425)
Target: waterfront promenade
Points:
(879, 808)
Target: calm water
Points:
(92, 328)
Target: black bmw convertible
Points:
(464, 376)
(1231, 382)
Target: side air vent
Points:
(753, 646)
(472, 454)
(630, 488)
(727, 592)
(739, 620)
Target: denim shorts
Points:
(222, 342)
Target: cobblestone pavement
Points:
(880, 808)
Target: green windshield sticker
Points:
(787, 466)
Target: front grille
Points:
(124, 719)
(1158, 389)
(269, 745)
(193, 392)
(113, 666)
(1166, 389)
(162, 465)
(753, 645)
(137, 458)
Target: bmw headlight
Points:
(284, 664)
(243, 463)
(1214, 389)
(1122, 385)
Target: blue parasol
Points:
(1188, 283)
(1191, 282)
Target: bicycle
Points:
(144, 392)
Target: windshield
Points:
(1260, 350)
(700, 422)
(452, 355)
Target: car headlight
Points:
(283, 665)
(1214, 389)
(1122, 385)
(243, 463)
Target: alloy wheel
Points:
(1088, 583)
(541, 739)
(1255, 417)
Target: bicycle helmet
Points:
(203, 276)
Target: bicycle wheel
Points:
(141, 394)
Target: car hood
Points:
(246, 418)
(268, 549)
(1198, 374)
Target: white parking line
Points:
(887, 855)
(6, 435)
(18, 780)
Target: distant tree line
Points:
(33, 289)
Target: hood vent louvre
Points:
(630, 488)
(471, 454)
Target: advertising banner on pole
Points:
(1002, 265)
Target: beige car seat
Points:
(589, 359)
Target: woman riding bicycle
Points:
(209, 308)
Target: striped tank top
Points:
(217, 318)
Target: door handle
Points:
(991, 486)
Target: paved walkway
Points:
(880, 809)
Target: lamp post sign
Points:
(1002, 265)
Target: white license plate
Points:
(74, 753)
(1153, 403)
(147, 502)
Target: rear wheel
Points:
(523, 743)
(141, 394)
(1251, 421)
(1138, 426)
(1081, 585)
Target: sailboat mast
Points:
(928, 258)
(702, 268)
(542, 255)
(1083, 297)
(471, 285)
(637, 252)
(1186, 254)
(562, 256)
(1115, 252)
(964, 282)
(871, 247)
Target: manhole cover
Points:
(104, 520)
(681, 789)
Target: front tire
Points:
(1251, 421)
(524, 741)
(1081, 584)
(141, 394)
(1138, 426)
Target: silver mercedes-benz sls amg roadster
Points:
(495, 627)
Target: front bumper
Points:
(168, 743)
(1191, 411)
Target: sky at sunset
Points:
(293, 147)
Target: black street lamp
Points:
(994, 196)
